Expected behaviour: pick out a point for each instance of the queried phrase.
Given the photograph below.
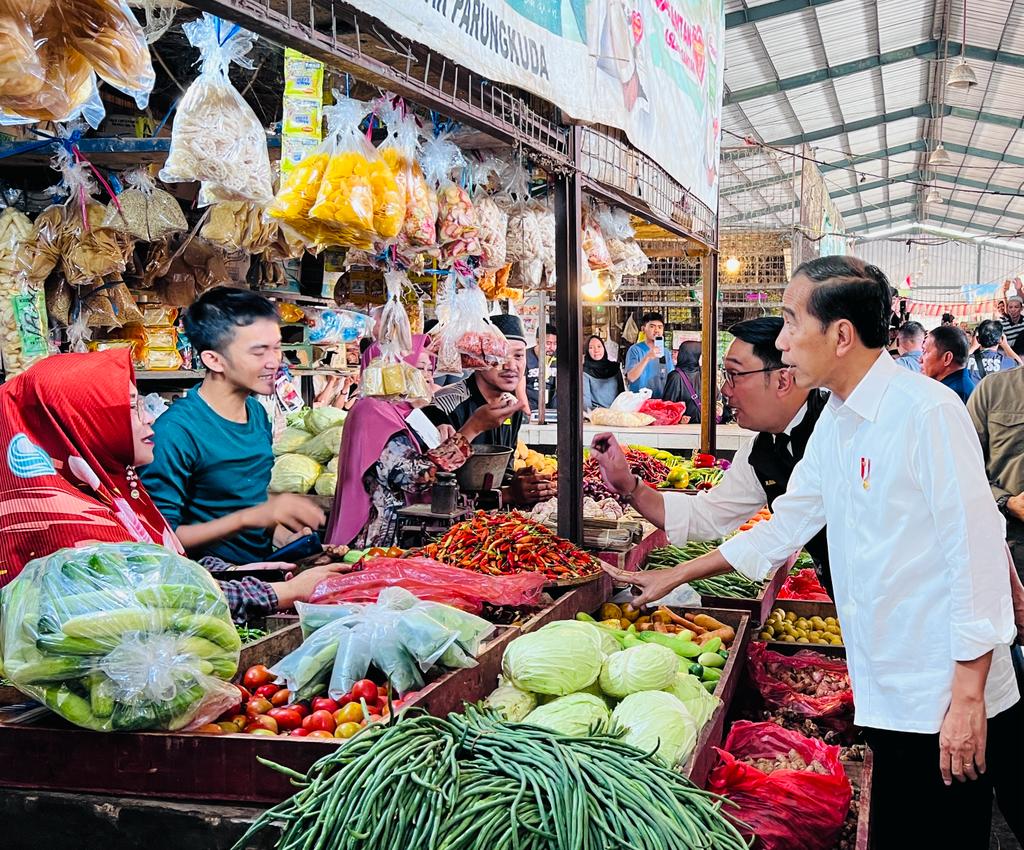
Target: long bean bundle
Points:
(729, 586)
(470, 782)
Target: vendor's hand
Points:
(300, 587)
(446, 432)
(489, 417)
(266, 566)
(529, 488)
(1015, 506)
(293, 512)
(962, 739)
(612, 462)
(648, 585)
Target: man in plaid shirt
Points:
(250, 598)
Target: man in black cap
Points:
(458, 402)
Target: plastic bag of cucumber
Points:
(120, 637)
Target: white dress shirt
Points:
(915, 541)
(720, 511)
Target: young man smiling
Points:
(764, 398)
(919, 564)
(213, 447)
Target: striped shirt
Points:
(1013, 331)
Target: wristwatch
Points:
(1001, 504)
(636, 486)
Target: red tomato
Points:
(364, 689)
(344, 700)
(256, 676)
(212, 729)
(320, 733)
(281, 698)
(263, 721)
(267, 691)
(301, 707)
(258, 705)
(287, 718)
(298, 733)
(319, 720)
(325, 704)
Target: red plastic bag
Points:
(804, 585)
(771, 673)
(664, 412)
(431, 581)
(786, 809)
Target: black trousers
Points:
(911, 807)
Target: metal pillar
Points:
(542, 359)
(709, 352)
(569, 360)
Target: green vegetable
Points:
(657, 722)
(101, 695)
(608, 642)
(696, 670)
(294, 473)
(711, 674)
(712, 645)
(682, 648)
(353, 556)
(180, 596)
(221, 632)
(113, 624)
(576, 715)
(556, 661)
(710, 659)
(61, 699)
(55, 669)
(710, 686)
(326, 484)
(322, 447)
(320, 419)
(63, 645)
(647, 667)
(290, 440)
(510, 702)
(698, 702)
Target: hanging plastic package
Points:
(449, 361)
(594, 246)
(491, 218)
(21, 71)
(457, 225)
(388, 375)
(331, 326)
(144, 211)
(216, 137)
(479, 343)
(121, 637)
(107, 34)
(23, 331)
(524, 242)
(399, 150)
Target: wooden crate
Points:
(633, 558)
(859, 774)
(806, 609)
(760, 607)
(586, 598)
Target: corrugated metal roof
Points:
(861, 83)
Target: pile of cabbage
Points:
(306, 452)
(573, 677)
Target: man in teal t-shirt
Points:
(213, 447)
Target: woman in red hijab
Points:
(72, 432)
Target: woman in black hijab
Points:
(683, 382)
(602, 378)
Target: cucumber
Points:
(711, 659)
(101, 695)
(57, 669)
(59, 644)
(711, 674)
(113, 624)
(214, 629)
(199, 646)
(65, 702)
(181, 596)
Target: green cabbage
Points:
(649, 667)
(332, 466)
(289, 441)
(297, 419)
(576, 715)
(319, 419)
(691, 693)
(553, 661)
(511, 703)
(656, 721)
(293, 474)
(323, 446)
(326, 484)
(608, 643)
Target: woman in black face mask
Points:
(683, 382)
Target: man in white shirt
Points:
(763, 397)
(918, 556)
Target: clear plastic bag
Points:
(457, 225)
(479, 343)
(399, 150)
(22, 315)
(107, 34)
(121, 637)
(143, 210)
(329, 326)
(239, 226)
(216, 137)
(401, 635)
(594, 246)
(430, 580)
(389, 375)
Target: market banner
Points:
(652, 68)
(960, 310)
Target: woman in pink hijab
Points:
(386, 462)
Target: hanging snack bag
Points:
(22, 309)
(399, 150)
(145, 212)
(449, 361)
(594, 246)
(479, 342)
(492, 219)
(239, 226)
(330, 326)
(457, 225)
(216, 137)
(388, 375)
(388, 194)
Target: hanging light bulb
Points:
(962, 77)
(733, 265)
(940, 156)
(933, 197)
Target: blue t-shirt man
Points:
(645, 365)
(962, 383)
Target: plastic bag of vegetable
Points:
(556, 661)
(401, 635)
(639, 668)
(656, 721)
(290, 440)
(808, 683)
(803, 804)
(319, 419)
(294, 473)
(575, 715)
(120, 637)
(313, 617)
(323, 446)
(512, 703)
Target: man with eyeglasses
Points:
(761, 392)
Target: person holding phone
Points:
(645, 360)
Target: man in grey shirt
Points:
(909, 343)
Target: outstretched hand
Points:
(648, 585)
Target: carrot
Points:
(727, 635)
(672, 616)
